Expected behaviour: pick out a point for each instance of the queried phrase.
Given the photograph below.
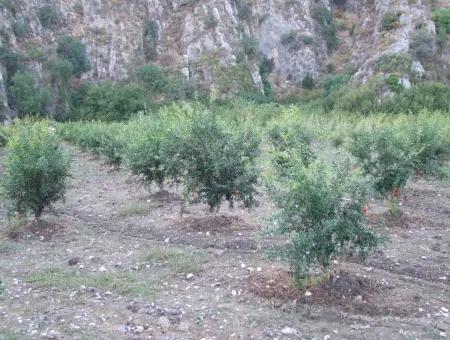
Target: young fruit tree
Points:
(321, 206)
(153, 150)
(36, 168)
(384, 154)
(220, 162)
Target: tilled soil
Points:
(116, 262)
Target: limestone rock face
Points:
(206, 39)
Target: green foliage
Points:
(393, 81)
(429, 141)
(5, 134)
(36, 168)
(422, 45)
(48, 16)
(244, 10)
(290, 144)
(12, 61)
(332, 84)
(363, 99)
(441, 18)
(289, 38)
(210, 21)
(29, 96)
(110, 101)
(153, 150)
(10, 5)
(389, 21)
(321, 208)
(250, 46)
(20, 28)
(308, 82)
(100, 138)
(384, 154)
(150, 39)
(220, 162)
(266, 66)
(394, 62)
(153, 79)
(74, 51)
(424, 96)
(324, 18)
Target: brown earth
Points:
(115, 262)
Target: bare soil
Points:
(116, 262)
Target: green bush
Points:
(48, 16)
(393, 81)
(289, 38)
(308, 82)
(110, 101)
(74, 51)
(429, 144)
(424, 96)
(148, 153)
(389, 21)
(363, 99)
(29, 96)
(332, 83)
(220, 162)
(321, 208)
(153, 79)
(150, 39)
(12, 61)
(422, 45)
(210, 21)
(324, 18)
(384, 154)
(394, 62)
(36, 168)
(100, 138)
(290, 144)
(20, 28)
(441, 18)
(250, 46)
(5, 134)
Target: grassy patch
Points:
(134, 209)
(7, 247)
(119, 283)
(9, 335)
(177, 259)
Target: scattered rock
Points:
(164, 322)
(289, 331)
(133, 307)
(189, 276)
(74, 261)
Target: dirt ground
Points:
(115, 262)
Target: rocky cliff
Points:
(225, 41)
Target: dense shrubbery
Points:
(389, 21)
(110, 101)
(48, 16)
(220, 162)
(153, 150)
(74, 51)
(99, 138)
(422, 45)
(30, 97)
(430, 96)
(36, 168)
(321, 208)
(5, 134)
(150, 39)
(324, 18)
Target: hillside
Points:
(237, 45)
